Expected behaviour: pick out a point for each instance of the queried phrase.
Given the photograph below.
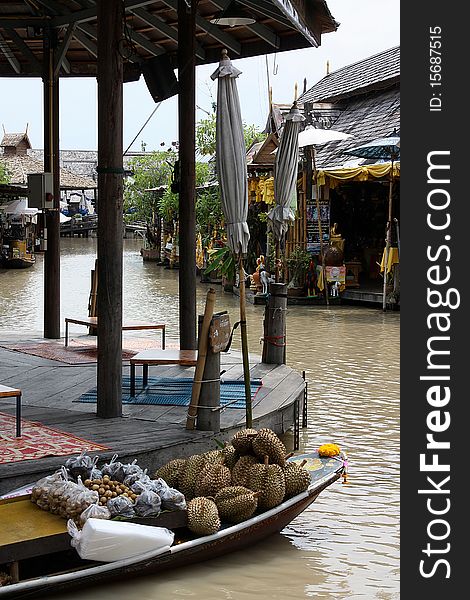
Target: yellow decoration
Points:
(362, 173)
(262, 188)
(329, 450)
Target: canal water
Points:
(346, 544)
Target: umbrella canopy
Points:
(311, 136)
(285, 175)
(387, 148)
(20, 208)
(231, 156)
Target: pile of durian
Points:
(249, 474)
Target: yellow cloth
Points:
(362, 173)
(262, 188)
(393, 259)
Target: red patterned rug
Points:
(38, 441)
(79, 351)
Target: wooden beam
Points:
(110, 208)
(187, 158)
(267, 9)
(86, 42)
(89, 14)
(8, 53)
(24, 49)
(164, 28)
(60, 59)
(215, 32)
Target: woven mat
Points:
(37, 441)
(80, 351)
(176, 391)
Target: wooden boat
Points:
(43, 562)
(17, 256)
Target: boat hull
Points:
(229, 539)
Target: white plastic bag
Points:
(108, 541)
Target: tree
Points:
(150, 171)
(205, 135)
(4, 175)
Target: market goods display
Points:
(171, 471)
(296, 477)
(266, 443)
(203, 516)
(250, 473)
(242, 440)
(236, 503)
(213, 477)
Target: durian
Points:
(203, 516)
(230, 456)
(236, 503)
(269, 480)
(242, 440)
(241, 469)
(214, 456)
(212, 478)
(296, 477)
(266, 443)
(170, 472)
(189, 474)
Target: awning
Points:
(360, 173)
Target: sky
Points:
(366, 28)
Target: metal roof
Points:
(151, 29)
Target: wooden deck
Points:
(152, 434)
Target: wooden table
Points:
(127, 326)
(187, 358)
(8, 392)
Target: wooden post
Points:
(110, 186)
(51, 165)
(201, 358)
(274, 342)
(208, 419)
(187, 158)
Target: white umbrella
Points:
(311, 136)
(19, 207)
(285, 178)
(232, 175)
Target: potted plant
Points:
(297, 263)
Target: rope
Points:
(270, 338)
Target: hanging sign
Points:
(336, 274)
(219, 332)
(313, 230)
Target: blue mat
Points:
(176, 391)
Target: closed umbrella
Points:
(387, 148)
(232, 175)
(285, 179)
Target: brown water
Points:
(345, 545)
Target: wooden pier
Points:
(149, 433)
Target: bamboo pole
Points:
(244, 336)
(388, 239)
(322, 256)
(201, 358)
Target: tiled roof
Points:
(366, 118)
(372, 73)
(18, 168)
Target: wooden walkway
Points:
(152, 434)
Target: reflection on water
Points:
(345, 545)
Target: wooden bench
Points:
(8, 392)
(127, 326)
(187, 358)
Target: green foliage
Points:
(222, 260)
(205, 135)
(209, 214)
(4, 174)
(168, 206)
(202, 173)
(149, 171)
(298, 263)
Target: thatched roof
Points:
(14, 139)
